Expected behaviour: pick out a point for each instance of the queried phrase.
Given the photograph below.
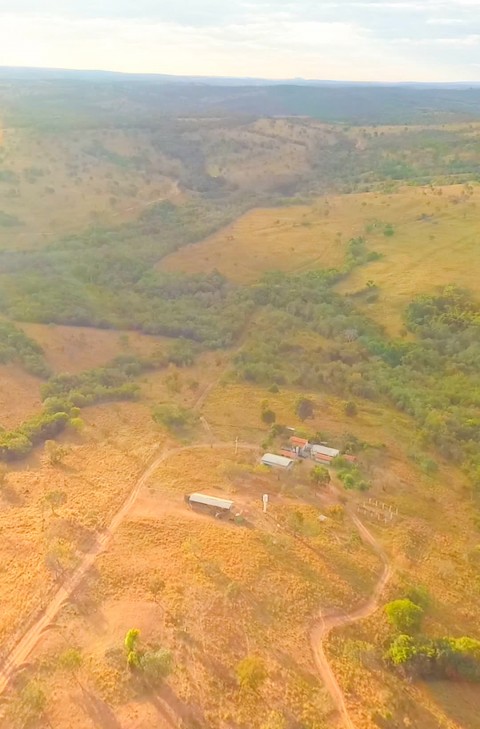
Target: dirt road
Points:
(20, 653)
(327, 623)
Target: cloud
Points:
(352, 39)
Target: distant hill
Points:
(30, 92)
(32, 73)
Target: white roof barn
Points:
(214, 501)
(324, 451)
(274, 461)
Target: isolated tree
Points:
(268, 416)
(404, 615)
(251, 673)
(304, 408)
(56, 499)
(320, 475)
(55, 452)
(131, 647)
(350, 409)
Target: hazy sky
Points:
(344, 39)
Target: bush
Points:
(320, 475)
(251, 673)
(350, 409)
(404, 615)
(156, 665)
(172, 417)
(438, 658)
(268, 416)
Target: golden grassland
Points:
(19, 396)
(100, 466)
(98, 470)
(229, 591)
(283, 239)
(435, 244)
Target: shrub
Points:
(350, 409)
(251, 673)
(156, 664)
(320, 475)
(268, 416)
(404, 615)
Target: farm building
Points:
(288, 453)
(274, 461)
(320, 450)
(298, 442)
(210, 504)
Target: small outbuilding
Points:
(210, 504)
(274, 461)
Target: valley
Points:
(187, 295)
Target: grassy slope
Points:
(435, 243)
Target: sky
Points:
(357, 40)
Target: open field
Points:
(19, 395)
(75, 349)
(290, 239)
(215, 609)
(434, 244)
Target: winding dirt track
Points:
(20, 653)
(327, 623)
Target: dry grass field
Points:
(19, 395)
(55, 184)
(282, 239)
(229, 591)
(75, 349)
(434, 244)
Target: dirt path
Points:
(20, 653)
(327, 623)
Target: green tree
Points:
(251, 673)
(131, 647)
(268, 416)
(402, 650)
(350, 409)
(304, 408)
(320, 475)
(404, 615)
